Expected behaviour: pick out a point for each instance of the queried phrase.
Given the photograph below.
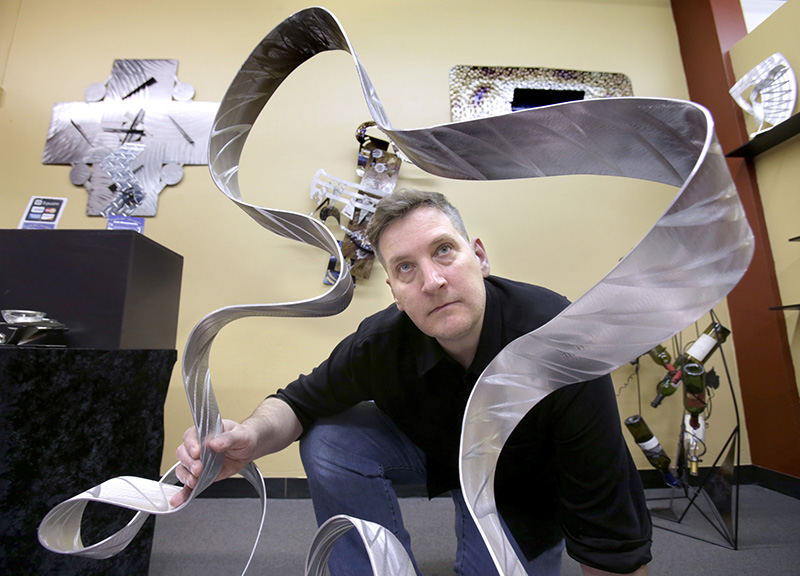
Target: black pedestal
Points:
(69, 420)
(111, 288)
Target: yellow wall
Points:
(778, 170)
(9, 9)
(564, 233)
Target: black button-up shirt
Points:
(565, 471)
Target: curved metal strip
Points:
(386, 553)
(694, 254)
(59, 531)
(691, 258)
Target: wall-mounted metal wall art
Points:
(131, 136)
(772, 92)
(480, 91)
(379, 169)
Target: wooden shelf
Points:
(788, 306)
(766, 140)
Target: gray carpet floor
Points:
(214, 536)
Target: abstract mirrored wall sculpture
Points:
(652, 293)
(480, 91)
(768, 92)
(142, 106)
(379, 169)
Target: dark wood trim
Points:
(707, 30)
(776, 481)
(286, 488)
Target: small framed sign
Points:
(43, 212)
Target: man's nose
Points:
(432, 278)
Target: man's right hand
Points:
(237, 442)
(270, 428)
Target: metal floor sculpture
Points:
(691, 258)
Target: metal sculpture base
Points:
(715, 498)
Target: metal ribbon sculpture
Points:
(691, 258)
(385, 552)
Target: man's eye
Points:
(444, 249)
(403, 268)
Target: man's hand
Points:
(237, 442)
(270, 428)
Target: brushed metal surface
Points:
(142, 102)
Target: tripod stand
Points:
(719, 506)
(718, 485)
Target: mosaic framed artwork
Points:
(481, 91)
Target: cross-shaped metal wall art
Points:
(142, 116)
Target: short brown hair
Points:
(403, 201)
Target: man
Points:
(386, 407)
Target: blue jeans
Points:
(352, 461)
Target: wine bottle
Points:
(694, 442)
(694, 387)
(651, 447)
(707, 343)
(669, 383)
(666, 387)
(661, 356)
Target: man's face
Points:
(436, 276)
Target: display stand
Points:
(714, 496)
(90, 408)
(69, 420)
(113, 289)
(768, 139)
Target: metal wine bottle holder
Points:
(691, 258)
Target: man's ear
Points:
(396, 301)
(481, 255)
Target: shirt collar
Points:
(429, 352)
(491, 339)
